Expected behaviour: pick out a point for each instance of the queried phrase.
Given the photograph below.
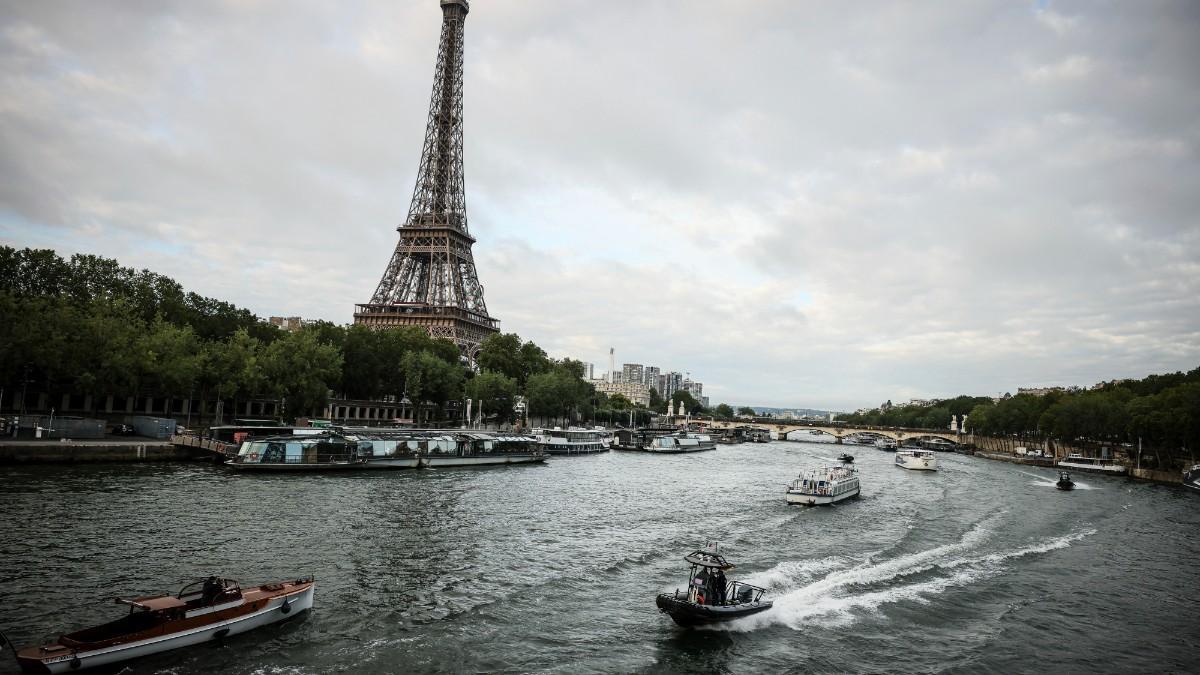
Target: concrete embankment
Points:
(1005, 450)
(1157, 476)
(76, 452)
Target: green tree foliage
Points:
(723, 411)
(496, 393)
(746, 411)
(505, 353)
(560, 392)
(619, 402)
(690, 404)
(657, 404)
(429, 377)
(298, 369)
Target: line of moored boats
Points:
(291, 449)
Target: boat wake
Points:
(845, 594)
(1043, 481)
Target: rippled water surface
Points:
(980, 567)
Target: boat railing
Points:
(740, 592)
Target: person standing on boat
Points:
(719, 580)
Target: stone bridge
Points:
(841, 431)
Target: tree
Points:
(723, 411)
(495, 393)
(619, 402)
(656, 401)
(428, 377)
(300, 370)
(690, 404)
(746, 411)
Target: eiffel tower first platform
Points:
(431, 280)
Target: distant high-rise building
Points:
(672, 382)
(650, 376)
(616, 377)
(696, 389)
(632, 372)
(588, 370)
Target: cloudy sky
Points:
(800, 203)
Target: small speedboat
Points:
(1191, 478)
(207, 609)
(846, 458)
(710, 597)
(1064, 481)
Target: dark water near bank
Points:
(979, 567)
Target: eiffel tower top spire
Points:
(431, 280)
(439, 197)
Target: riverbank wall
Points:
(83, 452)
(1005, 450)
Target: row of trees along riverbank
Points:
(1160, 411)
(87, 326)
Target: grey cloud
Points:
(803, 203)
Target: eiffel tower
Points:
(431, 280)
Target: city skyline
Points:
(836, 207)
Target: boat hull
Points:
(402, 462)
(297, 466)
(272, 612)
(559, 451)
(688, 614)
(1064, 486)
(806, 499)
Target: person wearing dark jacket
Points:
(719, 580)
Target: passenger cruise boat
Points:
(710, 597)
(680, 442)
(573, 440)
(638, 439)
(920, 460)
(1093, 464)
(886, 444)
(826, 485)
(205, 610)
(386, 449)
(327, 451)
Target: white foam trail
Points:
(828, 599)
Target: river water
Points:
(980, 567)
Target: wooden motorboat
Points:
(711, 598)
(1064, 481)
(208, 609)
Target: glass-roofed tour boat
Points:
(386, 449)
(710, 597)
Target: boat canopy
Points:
(704, 559)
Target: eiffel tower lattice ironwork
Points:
(431, 280)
